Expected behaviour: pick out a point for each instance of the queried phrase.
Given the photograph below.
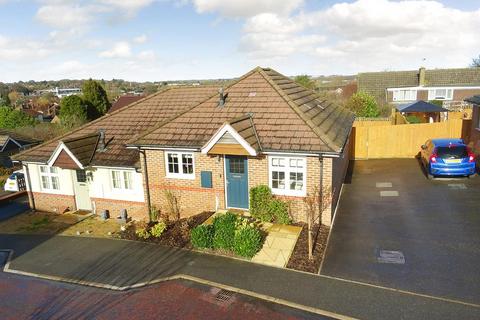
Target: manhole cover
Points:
(224, 295)
(383, 185)
(388, 193)
(457, 186)
(388, 256)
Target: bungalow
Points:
(11, 143)
(206, 147)
(451, 86)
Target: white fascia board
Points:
(61, 146)
(228, 128)
(432, 88)
(6, 143)
(161, 148)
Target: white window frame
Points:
(287, 169)
(401, 95)
(50, 175)
(432, 94)
(126, 184)
(180, 174)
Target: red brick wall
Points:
(194, 199)
(53, 202)
(460, 95)
(135, 210)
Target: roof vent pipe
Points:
(222, 98)
(101, 140)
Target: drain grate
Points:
(383, 185)
(224, 295)
(388, 256)
(388, 193)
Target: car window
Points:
(452, 152)
(13, 176)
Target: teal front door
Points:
(236, 168)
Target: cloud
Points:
(120, 50)
(367, 35)
(140, 39)
(146, 55)
(66, 16)
(246, 8)
(13, 49)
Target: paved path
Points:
(127, 263)
(434, 224)
(27, 298)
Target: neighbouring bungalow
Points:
(11, 143)
(475, 128)
(206, 147)
(451, 86)
(124, 101)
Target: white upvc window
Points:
(287, 175)
(404, 95)
(180, 165)
(49, 178)
(121, 180)
(440, 94)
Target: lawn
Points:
(63, 224)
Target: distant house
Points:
(123, 101)
(11, 143)
(449, 85)
(475, 131)
(207, 146)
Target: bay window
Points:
(287, 175)
(49, 178)
(179, 165)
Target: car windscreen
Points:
(13, 176)
(452, 152)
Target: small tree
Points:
(73, 111)
(476, 62)
(95, 95)
(11, 118)
(306, 81)
(363, 105)
(316, 203)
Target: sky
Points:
(157, 40)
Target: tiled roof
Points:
(122, 125)
(5, 134)
(474, 100)
(287, 117)
(83, 148)
(376, 82)
(124, 101)
(420, 106)
(246, 129)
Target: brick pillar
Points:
(327, 169)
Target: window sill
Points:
(181, 176)
(289, 193)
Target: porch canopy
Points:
(420, 106)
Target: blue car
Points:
(447, 157)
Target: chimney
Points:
(101, 141)
(222, 98)
(421, 76)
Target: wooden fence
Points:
(401, 141)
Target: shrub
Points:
(247, 241)
(142, 233)
(202, 236)
(260, 197)
(363, 105)
(279, 211)
(413, 119)
(158, 229)
(224, 227)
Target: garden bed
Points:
(177, 233)
(299, 258)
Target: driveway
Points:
(13, 207)
(434, 224)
